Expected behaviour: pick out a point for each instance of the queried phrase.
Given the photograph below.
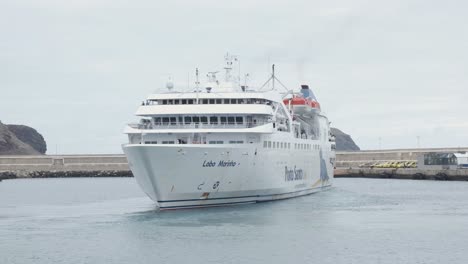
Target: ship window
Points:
(226, 101)
(269, 144)
(233, 101)
(170, 102)
(239, 120)
(180, 120)
(204, 120)
(164, 102)
(188, 119)
(223, 120)
(157, 120)
(219, 101)
(196, 119)
(168, 142)
(184, 101)
(236, 142)
(214, 120)
(165, 120)
(176, 101)
(212, 101)
(282, 145)
(212, 142)
(205, 101)
(230, 120)
(289, 145)
(173, 120)
(190, 101)
(265, 144)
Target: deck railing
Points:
(197, 125)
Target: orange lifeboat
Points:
(302, 104)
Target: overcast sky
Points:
(76, 70)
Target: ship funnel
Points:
(305, 91)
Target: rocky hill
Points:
(344, 142)
(20, 140)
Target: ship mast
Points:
(197, 83)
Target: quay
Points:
(356, 164)
(53, 166)
(360, 164)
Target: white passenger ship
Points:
(224, 144)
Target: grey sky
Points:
(77, 70)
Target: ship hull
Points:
(191, 176)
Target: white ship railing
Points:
(196, 126)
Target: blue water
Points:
(109, 220)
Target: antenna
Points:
(197, 83)
(273, 79)
(273, 76)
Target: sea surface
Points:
(109, 220)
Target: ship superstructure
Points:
(224, 143)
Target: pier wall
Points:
(357, 158)
(348, 164)
(64, 166)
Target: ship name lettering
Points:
(221, 163)
(229, 163)
(208, 163)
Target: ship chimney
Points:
(305, 91)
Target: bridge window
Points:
(205, 101)
(223, 120)
(226, 101)
(212, 101)
(233, 101)
(188, 120)
(173, 120)
(157, 120)
(204, 119)
(184, 101)
(165, 120)
(196, 119)
(214, 120)
(239, 120)
(230, 120)
(265, 144)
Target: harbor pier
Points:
(357, 164)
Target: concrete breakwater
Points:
(12, 167)
(357, 165)
(403, 173)
(349, 164)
